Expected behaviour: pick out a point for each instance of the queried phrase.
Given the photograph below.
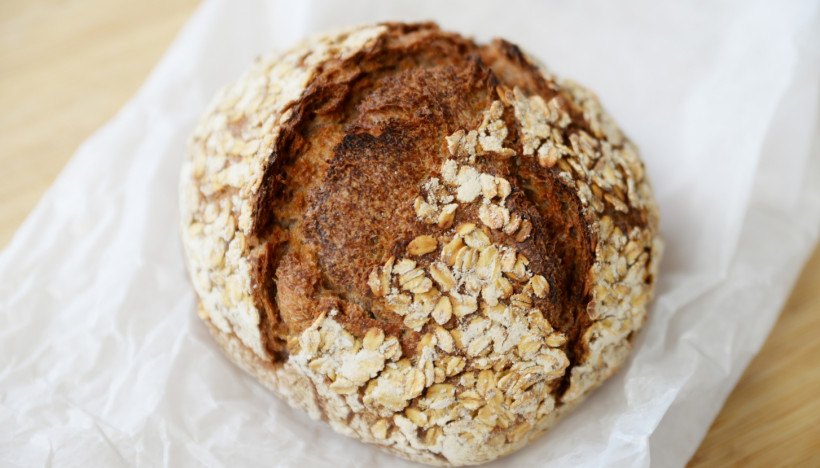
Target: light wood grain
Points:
(772, 417)
(65, 69)
(67, 66)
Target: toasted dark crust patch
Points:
(368, 131)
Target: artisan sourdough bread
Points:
(433, 245)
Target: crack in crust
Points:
(442, 243)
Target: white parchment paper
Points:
(104, 363)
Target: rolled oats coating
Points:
(433, 245)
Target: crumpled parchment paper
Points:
(103, 361)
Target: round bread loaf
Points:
(433, 245)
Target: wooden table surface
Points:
(66, 66)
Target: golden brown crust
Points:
(355, 128)
(428, 223)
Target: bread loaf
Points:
(435, 246)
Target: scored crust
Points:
(433, 245)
